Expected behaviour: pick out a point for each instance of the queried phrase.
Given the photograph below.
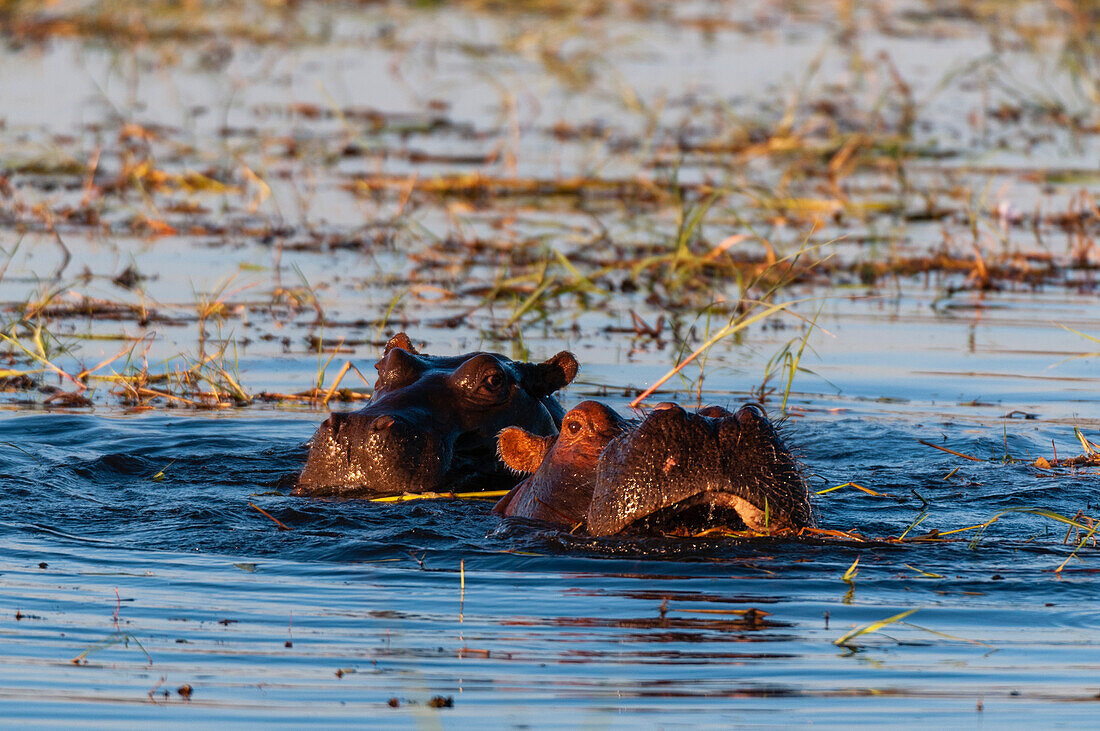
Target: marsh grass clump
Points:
(676, 216)
(1090, 456)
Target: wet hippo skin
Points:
(432, 423)
(563, 468)
(672, 472)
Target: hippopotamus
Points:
(671, 472)
(562, 467)
(432, 423)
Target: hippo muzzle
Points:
(684, 472)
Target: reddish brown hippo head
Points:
(432, 423)
(563, 467)
(672, 472)
(684, 472)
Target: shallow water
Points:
(127, 538)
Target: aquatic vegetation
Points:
(879, 218)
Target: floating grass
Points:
(268, 515)
(924, 574)
(861, 488)
(119, 637)
(486, 495)
(845, 640)
(952, 451)
(920, 519)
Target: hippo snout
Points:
(701, 469)
(383, 453)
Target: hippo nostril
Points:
(754, 410)
(382, 423)
(671, 410)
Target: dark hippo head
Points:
(684, 472)
(432, 423)
(563, 468)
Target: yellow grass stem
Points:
(1090, 448)
(926, 574)
(861, 488)
(725, 332)
(872, 627)
(951, 451)
(336, 382)
(914, 524)
(1031, 511)
(44, 361)
(486, 495)
(944, 634)
(269, 515)
(125, 351)
(1090, 534)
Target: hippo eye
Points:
(574, 427)
(493, 381)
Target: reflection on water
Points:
(306, 177)
(359, 604)
(337, 110)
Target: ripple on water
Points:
(371, 598)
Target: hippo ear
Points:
(545, 378)
(402, 341)
(522, 451)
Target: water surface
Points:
(606, 631)
(285, 187)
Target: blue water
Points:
(549, 629)
(128, 542)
